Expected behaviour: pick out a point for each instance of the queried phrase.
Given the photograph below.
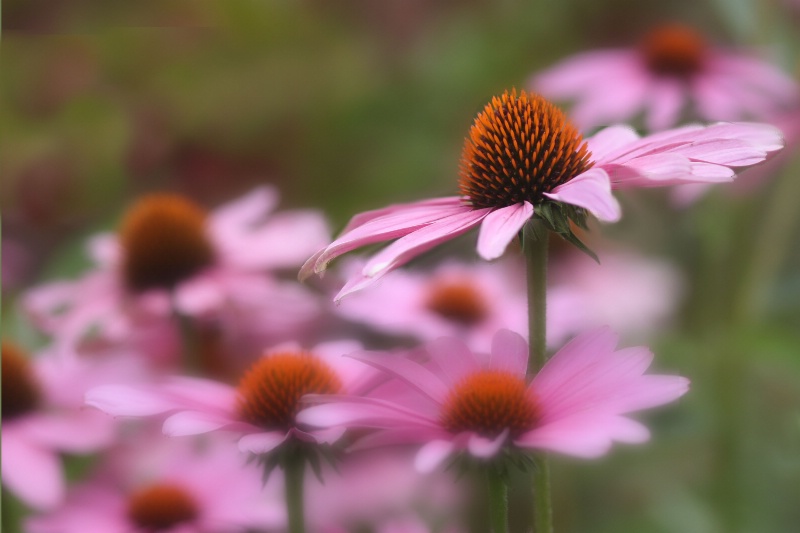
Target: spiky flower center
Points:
(489, 402)
(270, 391)
(519, 147)
(20, 390)
(674, 50)
(164, 242)
(458, 301)
(160, 507)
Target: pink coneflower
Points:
(183, 489)
(171, 256)
(261, 410)
(671, 74)
(481, 405)
(43, 416)
(467, 301)
(523, 156)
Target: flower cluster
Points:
(190, 324)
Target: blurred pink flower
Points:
(43, 416)
(501, 192)
(375, 487)
(478, 404)
(261, 411)
(170, 256)
(672, 71)
(633, 295)
(179, 488)
(467, 301)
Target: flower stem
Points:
(535, 238)
(294, 476)
(498, 500)
(189, 340)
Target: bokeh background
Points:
(348, 105)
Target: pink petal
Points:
(361, 411)
(484, 447)
(362, 218)
(608, 140)
(400, 221)
(200, 294)
(79, 431)
(104, 249)
(408, 371)
(666, 100)
(509, 352)
(432, 455)
(413, 244)
(32, 473)
(193, 423)
(500, 227)
(453, 358)
(233, 218)
(580, 73)
(124, 400)
(592, 191)
(259, 443)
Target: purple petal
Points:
(408, 371)
(398, 221)
(259, 443)
(453, 357)
(432, 455)
(485, 447)
(590, 190)
(499, 227)
(509, 352)
(193, 423)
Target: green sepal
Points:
(557, 216)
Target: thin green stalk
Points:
(535, 239)
(189, 339)
(498, 501)
(294, 476)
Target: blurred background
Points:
(348, 105)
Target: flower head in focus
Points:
(672, 71)
(465, 402)
(524, 159)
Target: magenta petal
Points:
(401, 221)
(432, 455)
(259, 443)
(238, 215)
(412, 373)
(509, 352)
(410, 246)
(453, 357)
(124, 400)
(33, 474)
(610, 139)
(360, 411)
(423, 239)
(485, 447)
(500, 227)
(592, 191)
(193, 423)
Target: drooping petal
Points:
(126, 400)
(432, 455)
(485, 447)
(31, 472)
(398, 222)
(500, 227)
(509, 352)
(193, 423)
(260, 443)
(412, 245)
(592, 191)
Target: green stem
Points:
(189, 340)
(294, 474)
(535, 238)
(498, 501)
